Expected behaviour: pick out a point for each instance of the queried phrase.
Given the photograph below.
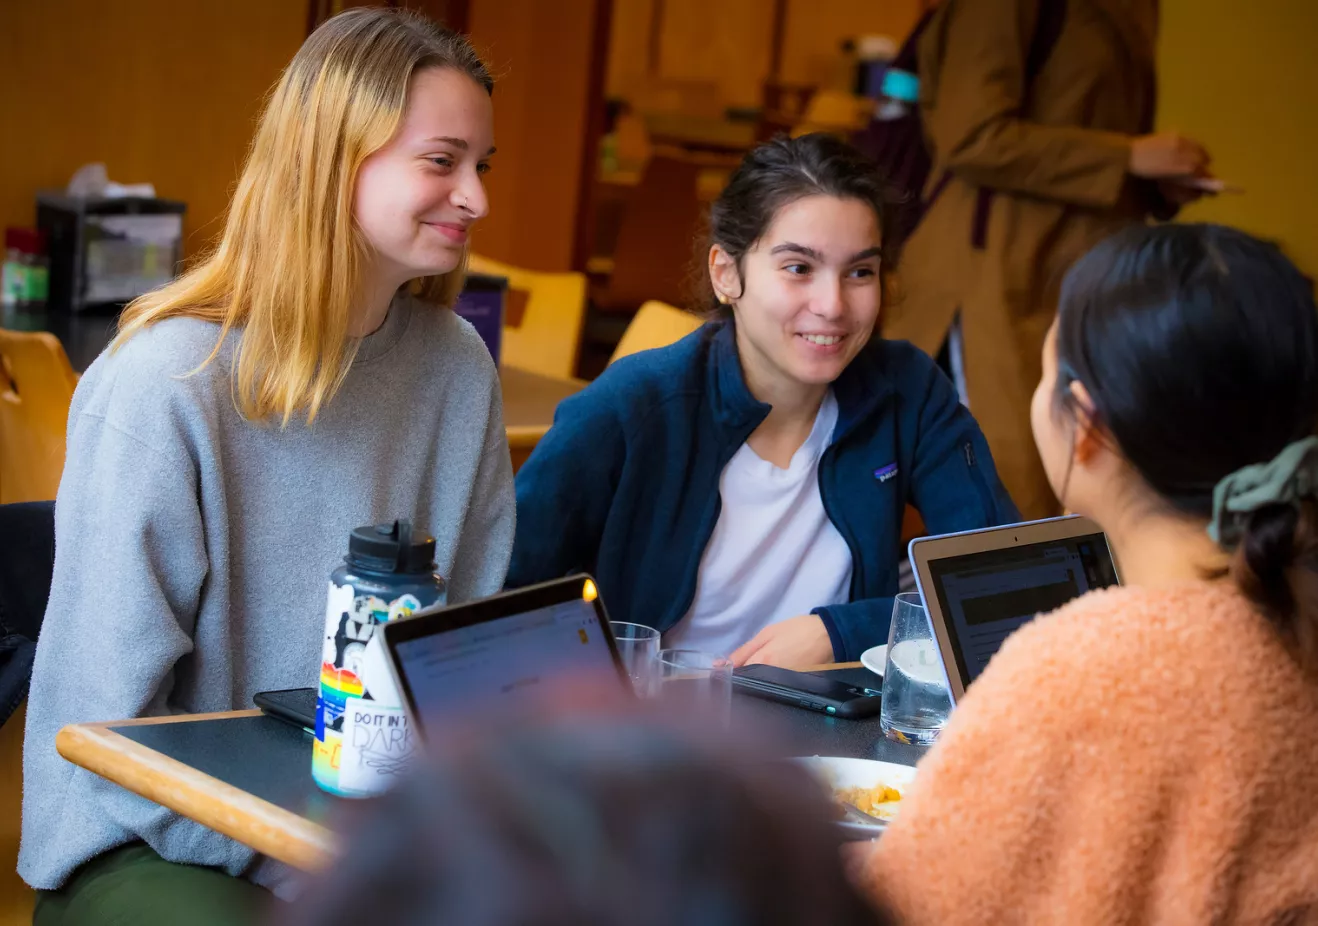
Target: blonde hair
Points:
(288, 267)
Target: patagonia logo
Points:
(886, 472)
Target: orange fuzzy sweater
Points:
(1141, 756)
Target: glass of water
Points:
(638, 647)
(699, 684)
(916, 701)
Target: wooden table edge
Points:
(265, 827)
(830, 666)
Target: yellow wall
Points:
(158, 90)
(1243, 78)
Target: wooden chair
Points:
(655, 325)
(653, 257)
(656, 238)
(783, 106)
(36, 387)
(546, 335)
(674, 95)
(27, 560)
(837, 113)
(16, 898)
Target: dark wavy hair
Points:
(593, 820)
(1199, 347)
(776, 174)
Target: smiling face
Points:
(808, 295)
(417, 197)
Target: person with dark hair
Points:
(1039, 117)
(1149, 754)
(743, 490)
(589, 820)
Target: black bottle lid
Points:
(391, 548)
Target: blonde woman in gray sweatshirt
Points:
(304, 379)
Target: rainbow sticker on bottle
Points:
(362, 737)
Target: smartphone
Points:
(812, 692)
(291, 705)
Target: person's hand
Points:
(1168, 154)
(795, 643)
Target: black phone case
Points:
(291, 705)
(851, 709)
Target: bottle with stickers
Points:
(363, 740)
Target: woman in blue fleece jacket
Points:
(743, 489)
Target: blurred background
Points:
(616, 120)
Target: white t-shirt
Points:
(774, 553)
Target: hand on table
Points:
(795, 643)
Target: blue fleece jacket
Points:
(625, 485)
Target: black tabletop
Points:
(272, 759)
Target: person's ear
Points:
(723, 275)
(1091, 438)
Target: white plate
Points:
(875, 659)
(836, 772)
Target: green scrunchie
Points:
(1293, 475)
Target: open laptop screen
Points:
(985, 596)
(469, 658)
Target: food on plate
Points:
(880, 801)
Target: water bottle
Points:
(363, 741)
(898, 95)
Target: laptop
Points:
(979, 586)
(501, 650)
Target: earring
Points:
(722, 299)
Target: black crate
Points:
(108, 251)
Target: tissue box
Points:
(482, 303)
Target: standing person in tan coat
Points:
(1033, 162)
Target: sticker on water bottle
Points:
(362, 738)
(377, 743)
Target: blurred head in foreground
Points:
(592, 820)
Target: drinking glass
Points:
(638, 647)
(697, 683)
(916, 700)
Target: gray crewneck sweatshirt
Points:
(193, 549)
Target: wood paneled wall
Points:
(540, 52)
(815, 31)
(158, 90)
(729, 42)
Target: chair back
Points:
(655, 325)
(27, 559)
(656, 236)
(36, 388)
(547, 336)
(836, 113)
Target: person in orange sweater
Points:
(1149, 753)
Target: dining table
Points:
(247, 775)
